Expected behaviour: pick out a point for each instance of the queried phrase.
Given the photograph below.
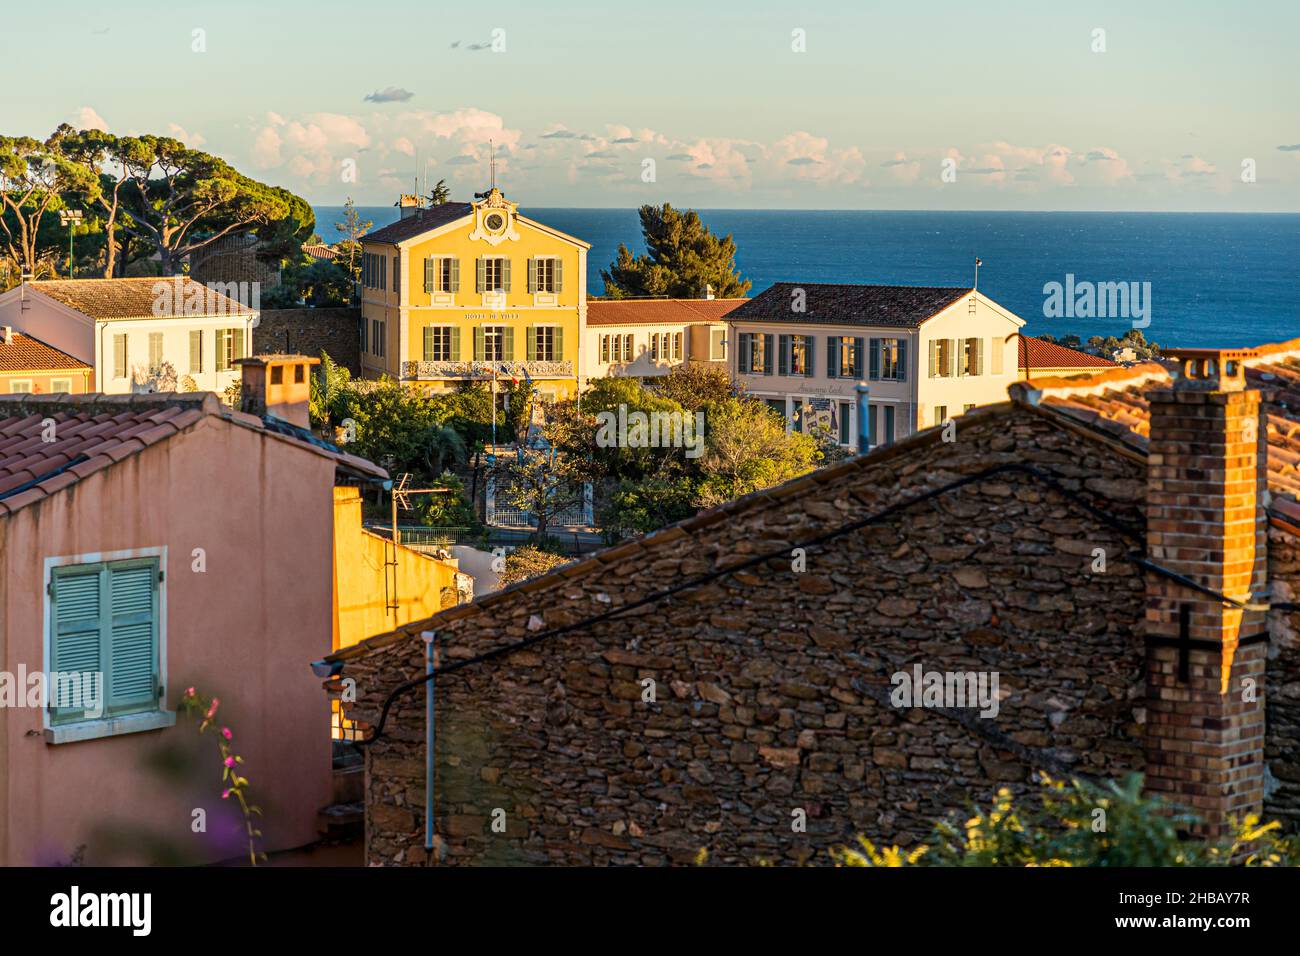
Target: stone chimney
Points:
(409, 204)
(277, 385)
(1206, 481)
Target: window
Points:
(654, 345)
(888, 360)
(494, 274)
(277, 374)
(889, 423)
(844, 357)
(942, 358)
(119, 356)
(441, 343)
(397, 275)
(494, 343)
(940, 414)
(677, 345)
(60, 385)
(104, 620)
(756, 353)
(604, 349)
(967, 408)
(196, 351)
(377, 337)
(442, 274)
(230, 346)
(299, 374)
(795, 356)
(545, 343)
(972, 356)
(155, 351)
(20, 386)
(374, 270)
(845, 423)
(545, 274)
(717, 345)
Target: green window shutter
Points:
(238, 350)
(858, 346)
(559, 342)
(604, 349)
(559, 274)
(455, 276)
(742, 352)
(532, 274)
(196, 351)
(220, 335)
(132, 680)
(76, 626)
(507, 342)
(902, 360)
(783, 356)
(979, 356)
(874, 359)
(530, 336)
(428, 343)
(505, 275)
(455, 343)
(933, 348)
(810, 354)
(832, 357)
(479, 348)
(429, 266)
(482, 275)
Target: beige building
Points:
(1039, 359)
(911, 356)
(649, 337)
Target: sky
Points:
(1151, 105)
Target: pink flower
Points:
(230, 761)
(225, 732)
(213, 709)
(225, 794)
(189, 691)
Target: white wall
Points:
(42, 319)
(175, 350)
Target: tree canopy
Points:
(683, 260)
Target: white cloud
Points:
(87, 118)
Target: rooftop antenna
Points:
(493, 162)
(978, 262)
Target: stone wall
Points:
(1282, 701)
(773, 685)
(309, 332)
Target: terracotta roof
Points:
(658, 311)
(423, 221)
(893, 306)
(1114, 402)
(134, 298)
(1040, 354)
(22, 353)
(94, 431)
(321, 252)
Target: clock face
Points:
(494, 221)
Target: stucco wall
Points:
(359, 577)
(244, 630)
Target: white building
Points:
(140, 334)
(915, 356)
(649, 337)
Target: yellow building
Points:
(449, 293)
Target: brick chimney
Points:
(277, 385)
(1206, 480)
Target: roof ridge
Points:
(94, 403)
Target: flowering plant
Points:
(235, 785)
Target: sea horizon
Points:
(1214, 278)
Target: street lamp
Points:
(70, 218)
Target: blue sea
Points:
(1215, 279)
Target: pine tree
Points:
(683, 260)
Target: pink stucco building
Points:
(164, 542)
